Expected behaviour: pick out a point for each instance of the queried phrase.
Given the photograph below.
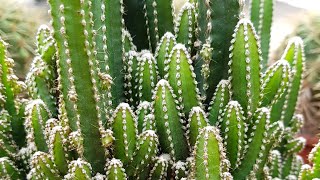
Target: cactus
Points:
(102, 107)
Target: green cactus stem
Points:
(167, 42)
(39, 83)
(275, 164)
(78, 79)
(285, 107)
(245, 58)
(196, 121)
(43, 167)
(147, 76)
(128, 42)
(58, 149)
(124, 126)
(216, 22)
(159, 16)
(185, 27)
(115, 170)
(255, 144)
(233, 127)
(142, 111)
(37, 115)
(8, 147)
(261, 17)
(169, 124)
(210, 161)
(180, 170)
(147, 148)
(8, 170)
(10, 87)
(79, 169)
(275, 82)
(131, 85)
(219, 100)
(160, 167)
(181, 77)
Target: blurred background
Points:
(19, 20)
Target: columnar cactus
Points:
(170, 98)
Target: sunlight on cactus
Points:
(181, 95)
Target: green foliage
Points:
(101, 109)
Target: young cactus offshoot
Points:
(153, 96)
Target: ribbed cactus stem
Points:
(205, 55)
(255, 144)
(196, 121)
(58, 149)
(44, 167)
(169, 123)
(210, 161)
(115, 170)
(39, 82)
(275, 162)
(296, 123)
(245, 58)
(78, 79)
(79, 169)
(131, 66)
(159, 16)
(163, 50)
(261, 17)
(181, 77)
(147, 148)
(185, 27)
(219, 100)
(147, 76)
(160, 167)
(37, 115)
(180, 170)
(9, 88)
(8, 170)
(124, 126)
(142, 111)
(8, 147)
(233, 127)
(275, 82)
(127, 42)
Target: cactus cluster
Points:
(126, 90)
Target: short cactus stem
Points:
(147, 148)
(295, 145)
(37, 115)
(185, 27)
(79, 169)
(196, 121)
(296, 123)
(124, 126)
(306, 172)
(210, 161)
(219, 100)
(206, 55)
(115, 170)
(275, 164)
(275, 82)
(8, 147)
(142, 111)
(46, 46)
(181, 77)
(159, 16)
(147, 76)
(255, 144)
(160, 167)
(245, 58)
(233, 129)
(180, 170)
(127, 41)
(44, 167)
(169, 124)
(163, 50)
(8, 170)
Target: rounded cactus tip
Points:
(299, 116)
(115, 162)
(146, 55)
(302, 140)
(132, 53)
(264, 110)
(179, 46)
(275, 152)
(150, 116)
(295, 40)
(150, 133)
(163, 82)
(234, 103)
(144, 104)
(187, 5)
(196, 109)
(124, 106)
(168, 35)
(43, 27)
(164, 157)
(282, 62)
